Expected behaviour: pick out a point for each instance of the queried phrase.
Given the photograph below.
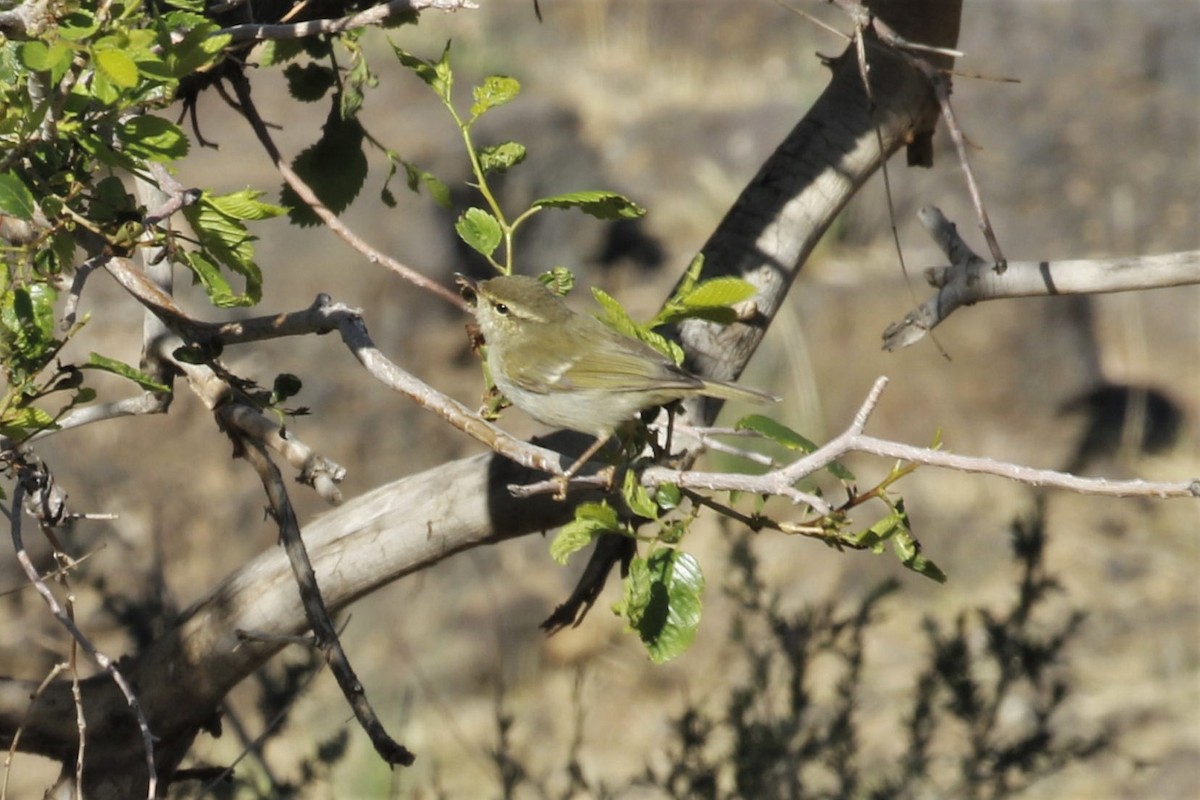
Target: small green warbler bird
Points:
(569, 370)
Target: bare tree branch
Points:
(374, 15)
(970, 279)
(391, 751)
(64, 619)
(780, 482)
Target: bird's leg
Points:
(565, 478)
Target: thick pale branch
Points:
(970, 279)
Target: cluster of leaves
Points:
(485, 229)
(77, 126)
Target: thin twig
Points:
(940, 85)
(16, 738)
(241, 87)
(780, 482)
(104, 661)
(391, 751)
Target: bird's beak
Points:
(467, 288)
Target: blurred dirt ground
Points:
(1096, 152)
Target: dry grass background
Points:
(1094, 153)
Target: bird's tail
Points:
(732, 391)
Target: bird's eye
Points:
(501, 309)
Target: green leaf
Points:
(153, 138)
(662, 602)
(501, 157)
(418, 177)
(614, 315)
(335, 168)
(711, 300)
(41, 57)
(111, 365)
(279, 51)
(17, 423)
(436, 74)
(245, 205)
(637, 497)
(495, 91)
(908, 550)
(118, 67)
(208, 274)
(668, 496)
(599, 204)
(591, 520)
(27, 340)
(785, 436)
(15, 198)
(310, 82)
(883, 530)
(725, 291)
(776, 432)
(78, 25)
(199, 49)
(480, 230)
(217, 222)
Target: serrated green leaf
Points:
(118, 67)
(279, 51)
(335, 168)
(662, 602)
(115, 367)
(637, 497)
(591, 520)
(153, 138)
(501, 157)
(480, 230)
(724, 291)
(572, 537)
(495, 91)
(41, 57)
(310, 82)
(599, 204)
(15, 198)
(613, 314)
(17, 422)
(245, 205)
